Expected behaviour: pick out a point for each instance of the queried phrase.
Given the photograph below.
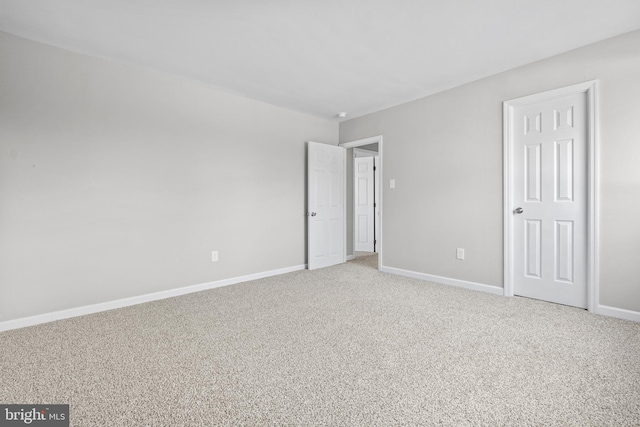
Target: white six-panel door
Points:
(325, 205)
(364, 204)
(550, 200)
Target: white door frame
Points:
(590, 88)
(358, 143)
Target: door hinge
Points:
(375, 168)
(375, 205)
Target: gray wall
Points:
(117, 182)
(445, 152)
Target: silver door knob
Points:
(518, 211)
(313, 214)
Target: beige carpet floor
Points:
(343, 346)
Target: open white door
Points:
(325, 205)
(363, 204)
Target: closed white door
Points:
(364, 208)
(325, 205)
(550, 200)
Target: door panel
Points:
(533, 173)
(564, 170)
(325, 205)
(564, 251)
(550, 185)
(532, 247)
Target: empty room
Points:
(339, 213)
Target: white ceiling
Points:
(322, 57)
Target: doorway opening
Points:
(366, 193)
(363, 198)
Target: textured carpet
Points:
(345, 345)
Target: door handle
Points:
(311, 213)
(518, 211)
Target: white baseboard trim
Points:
(444, 280)
(604, 310)
(620, 313)
(350, 257)
(126, 302)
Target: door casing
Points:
(590, 88)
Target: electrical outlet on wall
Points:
(460, 253)
(214, 256)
